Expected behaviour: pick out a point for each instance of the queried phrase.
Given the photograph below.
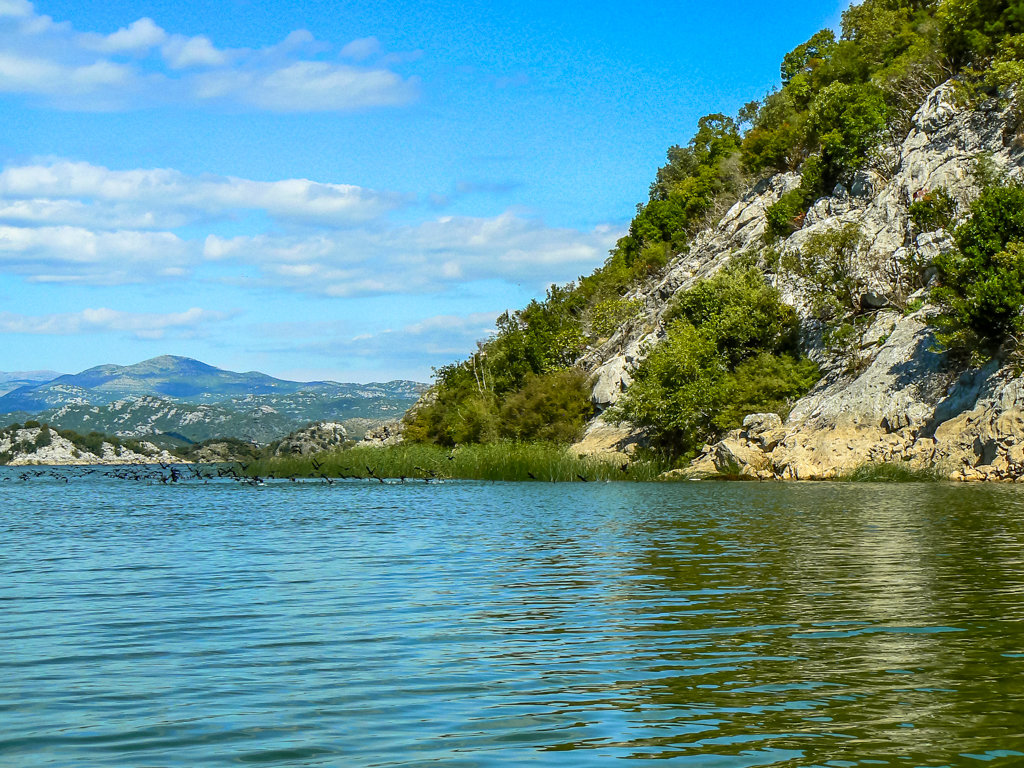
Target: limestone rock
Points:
(896, 398)
(389, 433)
(614, 442)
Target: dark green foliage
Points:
(973, 29)
(730, 350)
(934, 210)
(766, 383)
(32, 425)
(786, 216)
(982, 290)
(848, 122)
(44, 438)
(551, 407)
(740, 312)
(826, 265)
(678, 389)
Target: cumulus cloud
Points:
(15, 8)
(143, 325)
(138, 37)
(428, 256)
(361, 49)
(82, 194)
(75, 69)
(77, 255)
(64, 221)
(183, 52)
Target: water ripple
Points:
(477, 625)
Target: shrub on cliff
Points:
(730, 350)
(982, 290)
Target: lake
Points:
(465, 624)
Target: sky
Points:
(337, 190)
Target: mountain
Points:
(195, 401)
(11, 380)
(829, 284)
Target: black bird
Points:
(582, 479)
(531, 475)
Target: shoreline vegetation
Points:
(504, 461)
(517, 462)
(733, 344)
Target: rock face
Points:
(34, 445)
(902, 401)
(316, 438)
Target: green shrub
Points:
(786, 215)
(551, 407)
(32, 425)
(606, 317)
(44, 438)
(827, 265)
(934, 210)
(730, 350)
(982, 290)
(765, 383)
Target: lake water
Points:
(473, 625)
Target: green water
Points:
(472, 624)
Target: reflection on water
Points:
(470, 624)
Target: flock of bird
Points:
(164, 473)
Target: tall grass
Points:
(892, 472)
(492, 461)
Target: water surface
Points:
(474, 625)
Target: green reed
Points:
(492, 461)
(892, 472)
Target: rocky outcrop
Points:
(612, 442)
(316, 438)
(388, 433)
(896, 398)
(24, 446)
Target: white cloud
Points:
(420, 258)
(77, 222)
(184, 52)
(361, 49)
(77, 255)
(91, 71)
(15, 8)
(138, 37)
(64, 192)
(142, 325)
(310, 86)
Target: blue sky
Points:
(334, 190)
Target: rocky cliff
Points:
(903, 401)
(35, 445)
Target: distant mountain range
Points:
(191, 401)
(11, 380)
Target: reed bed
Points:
(508, 461)
(892, 472)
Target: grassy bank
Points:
(892, 473)
(494, 461)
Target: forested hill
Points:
(775, 314)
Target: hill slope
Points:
(197, 401)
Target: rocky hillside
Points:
(34, 444)
(193, 402)
(897, 398)
(12, 380)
